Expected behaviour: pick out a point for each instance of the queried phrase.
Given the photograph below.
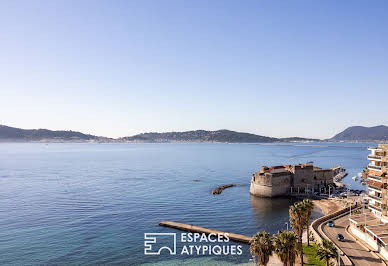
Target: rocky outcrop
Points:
(219, 189)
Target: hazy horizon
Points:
(278, 69)
(179, 131)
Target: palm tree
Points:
(285, 247)
(327, 251)
(261, 247)
(298, 222)
(309, 206)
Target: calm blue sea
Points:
(88, 204)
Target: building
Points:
(370, 229)
(377, 181)
(284, 179)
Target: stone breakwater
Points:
(218, 190)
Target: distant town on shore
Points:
(351, 134)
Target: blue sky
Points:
(117, 68)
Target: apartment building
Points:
(377, 181)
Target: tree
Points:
(327, 251)
(285, 247)
(298, 222)
(309, 206)
(261, 247)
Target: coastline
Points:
(328, 205)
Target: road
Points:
(351, 248)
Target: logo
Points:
(150, 238)
(191, 244)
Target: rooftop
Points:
(380, 231)
(361, 219)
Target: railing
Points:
(374, 157)
(377, 178)
(375, 197)
(374, 148)
(320, 235)
(374, 167)
(375, 208)
(374, 187)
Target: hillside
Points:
(360, 133)
(11, 134)
(226, 136)
(18, 134)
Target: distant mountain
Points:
(226, 136)
(12, 134)
(359, 133)
(18, 134)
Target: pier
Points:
(196, 229)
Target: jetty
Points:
(207, 231)
(218, 190)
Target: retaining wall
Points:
(319, 235)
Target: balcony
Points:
(375, 149)
(373, 177)
(375, 188)
(374, 157)
(375, 184)
(375, 197)
(374, 167)
(376, 208)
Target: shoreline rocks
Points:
(219, 189)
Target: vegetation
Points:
(287, 244)
(298, 222)
(309, 206)
(285, 247)
(311, 255)
(261, 247)
(300, 214)
(327, 251)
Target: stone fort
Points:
(282, 180)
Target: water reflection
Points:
(270, 213)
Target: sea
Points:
(92, 204)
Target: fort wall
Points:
(270, 185)
(280, 180)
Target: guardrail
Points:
(377, 178)
(316, 229)
(374, 167)
(375, 197)
(374, 157)
(375, 208)
(374, 187)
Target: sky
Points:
(118, 68)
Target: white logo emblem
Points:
(150, 238)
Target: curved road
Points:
(355, 251)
